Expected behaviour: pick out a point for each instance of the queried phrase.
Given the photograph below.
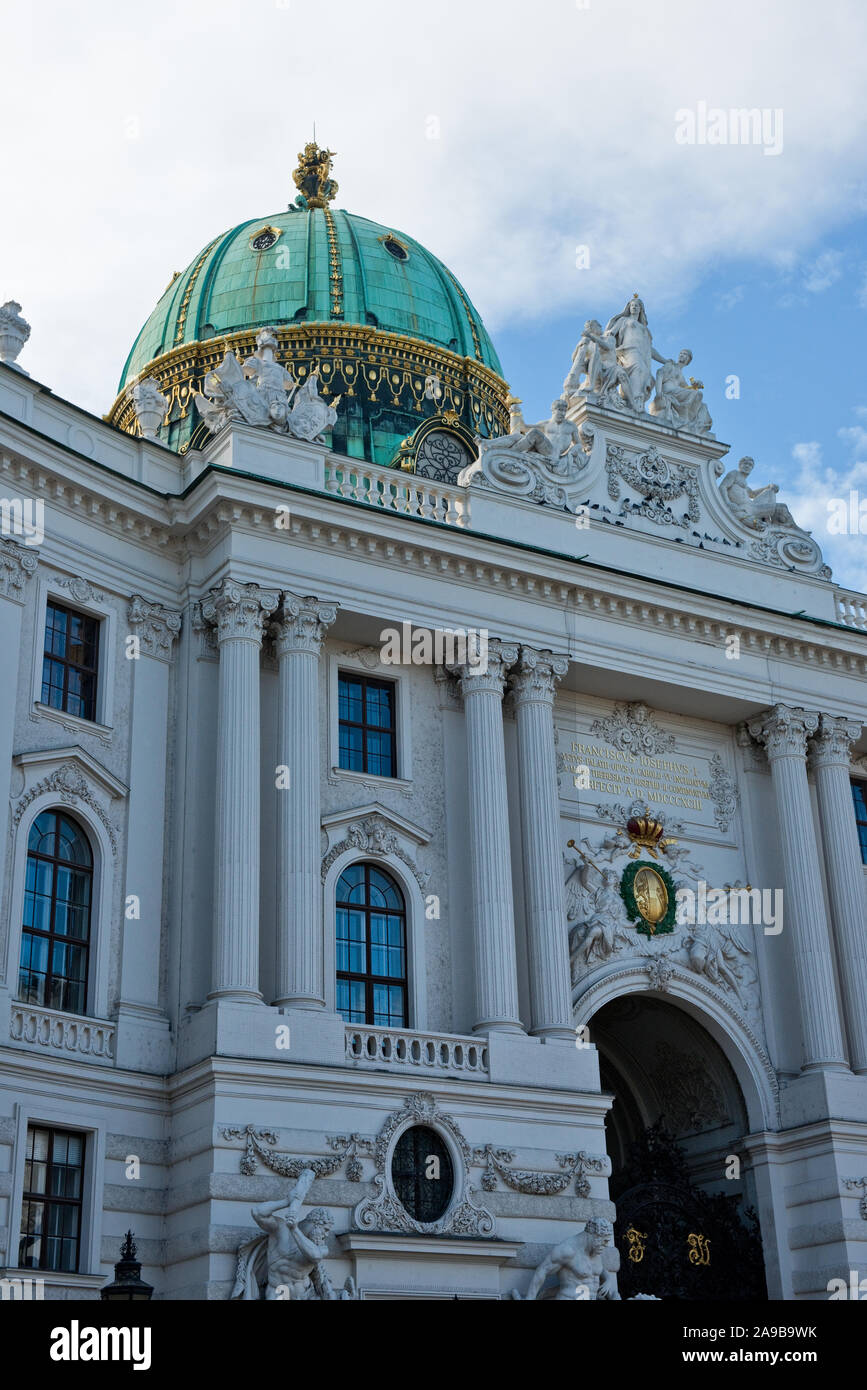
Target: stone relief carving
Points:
(723, 793)
(856, 1183)
(541, 462)
(81, 589)
(205, 631)
(658, 482)
(288, 1260)
(374, 835)
(368, 656)
(781, 541)
(545, 1184)
(588, 1259)
(155, 626)
(688, 1096)
(259, 392)
(72, 787)
(17, 564)
(632, 729)
(599, 929)
(385, 1212)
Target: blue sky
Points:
(502, 135)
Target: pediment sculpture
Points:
(779, 538)
(613, 367)
(542, 462)
(260, 392)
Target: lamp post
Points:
(127, 1285)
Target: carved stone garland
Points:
(657, 481)
(538, 1183)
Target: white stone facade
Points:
(606, 639)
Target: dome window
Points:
(395, 248)
(265, 239)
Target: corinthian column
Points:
(784, 732)
(533, 683)
(493, 909)
(300, 970)
(239, 612)
(844, 874)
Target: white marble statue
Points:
(260, 392)
(635, 352)
(311, 416)
(756, 508)
(679, 402)
(150, 406)
(288, 1258)
(14, 332)
(556, 440)
(595, 369)
(585, 1266)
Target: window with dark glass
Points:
(371, 948)
(859, 796)
(69, 662)
(368, 739)
(55, 932)
(51, 1210)
(422, 1174)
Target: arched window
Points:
(56, 930)
(371, 948)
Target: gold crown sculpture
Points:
(646, 832)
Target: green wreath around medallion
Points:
(667, 906)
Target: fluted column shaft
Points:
(493, 908)
(300, 961)
(239, 612)
(533, 683)
(784, 732)
(844, 874)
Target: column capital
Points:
(537, 674)
(155, 626)
(834, 740)
(239, 610)
(17, 563)
(489, 678)
(302, 624)
(784, 730)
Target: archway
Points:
(686, 1225)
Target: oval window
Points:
(264, 241)
(422, 1174)
(395, 248)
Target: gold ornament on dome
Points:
(313, 176)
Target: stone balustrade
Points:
(59, 1032)
(391, 490)
(398, 1049)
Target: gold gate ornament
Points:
(699, 1249)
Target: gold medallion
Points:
(651, 895)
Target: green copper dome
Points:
(390, 333)
(313, 265)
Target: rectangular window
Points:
(51, 1209)
(368, 737)
(859, 796)
(70, 660)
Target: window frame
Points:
(47, 1200)
(369, 681)
(68, 666)
(51, 936)
(365, 661)
(861, 784)
(51, 591)
(368, 978)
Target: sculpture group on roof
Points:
(260, 392)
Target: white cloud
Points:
(142, 133)
(816, 487)
(823, 272)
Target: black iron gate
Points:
(675, 1241)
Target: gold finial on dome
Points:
(312, 177)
